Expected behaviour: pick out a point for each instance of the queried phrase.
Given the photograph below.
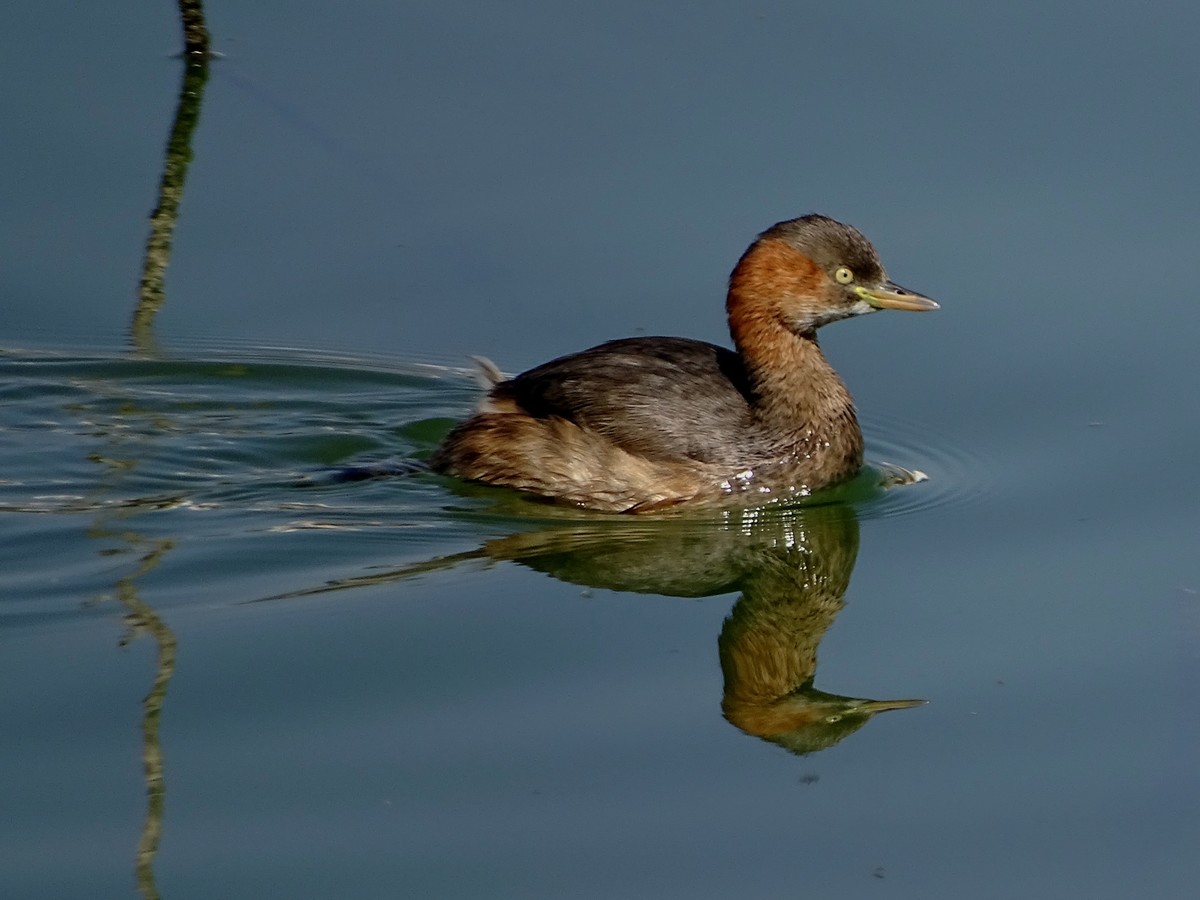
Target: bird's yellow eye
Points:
(843, 275)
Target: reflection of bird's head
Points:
(769, 642)
(810, 720)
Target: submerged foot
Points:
(891, 476)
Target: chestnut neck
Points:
(796, 390)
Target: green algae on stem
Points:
(151, 291)
(195, 32)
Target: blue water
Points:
(404, 686)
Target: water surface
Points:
(230, 671)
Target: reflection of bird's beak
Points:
(890, 295)
(870, 707)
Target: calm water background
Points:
(381, 189)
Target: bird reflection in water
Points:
(769, 641)
(792, 567)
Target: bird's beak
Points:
(890, 295)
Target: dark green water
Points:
(229, 671)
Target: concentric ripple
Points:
(953, 475)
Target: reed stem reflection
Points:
(142, 619)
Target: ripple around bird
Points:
(251, 425)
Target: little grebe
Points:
(644, 423)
